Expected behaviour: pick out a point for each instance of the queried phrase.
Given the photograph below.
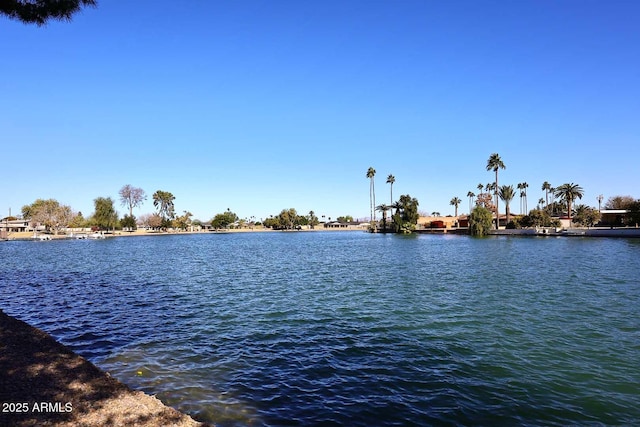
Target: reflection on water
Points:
(348, 328)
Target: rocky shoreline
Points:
(44, 383)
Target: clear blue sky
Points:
(259, 106)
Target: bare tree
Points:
(132, 197)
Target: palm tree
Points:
(494, 163)
(524, 189)
(455, 202)
(546, 187)
(471, 195)
(390, 180)
(480, 188)
(397, 206)
(540, 202)
(163, 201)
(371, 172)
(519, 186)
(568, 194)
(507, 193)
(383, 208)
(552, 191)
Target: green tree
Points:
(568, 193)
(78, 221)
(183, 221)
(480, 221)
(406, 217)
(507, 193)
(39, 12)
(128, 222)
(105, 215)
(391, 180)
(493, 164)
(224, 220)
(539, 218)
(163, 201)
(586, 216)
(272, 222)
(131, 197)
(288, 219)
(312, 219)
(455, 202)
(345, 218)
(371, 173)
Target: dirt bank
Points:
(43, 383)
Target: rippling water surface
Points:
(347, 327)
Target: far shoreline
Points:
(29, 235)
(611, 232)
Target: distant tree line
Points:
(289, 219)
(54, 217)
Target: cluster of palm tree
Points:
(383, 208)
(494, 163)
(522, 186)
(566, 193)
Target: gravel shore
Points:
(43, 383)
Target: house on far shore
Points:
(351, 225)
(445, 222)
(449, 222)
(14, 225)
(613, 217)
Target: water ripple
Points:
(348, 328)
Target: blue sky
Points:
(259, 106)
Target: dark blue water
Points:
(348, 328)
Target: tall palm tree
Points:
(507, 193)
(471, 195)
(519, 186)
(455, 202)
(568, 194)
(524, 189)
(371, 172)
(546, 187)
(480, 188)
(390, 180)
(493, 164)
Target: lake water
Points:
(348, 328)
